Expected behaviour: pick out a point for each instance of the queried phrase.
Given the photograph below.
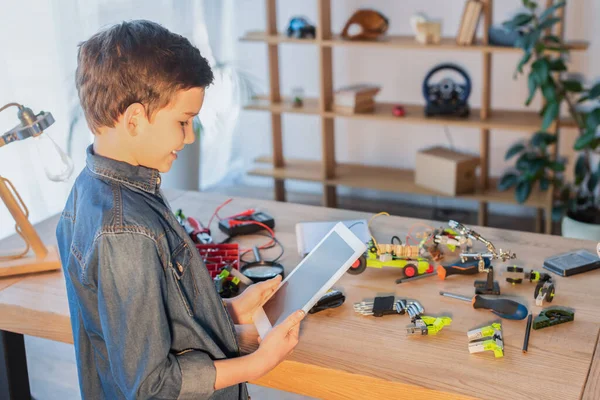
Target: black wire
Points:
(356, 223)
(397, 238)
(275, 242)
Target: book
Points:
(473, 22)
(309, 234)
(463, 23)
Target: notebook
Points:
(308, 234)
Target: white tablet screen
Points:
(308, 278)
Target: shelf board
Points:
(414, 114)
(396, 41)
(381, 178)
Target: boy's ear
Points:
(133, 117)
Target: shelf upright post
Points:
(326, 102)
(275, 98)
(484, 143)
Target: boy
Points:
(147, 321)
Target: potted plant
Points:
(576, 200)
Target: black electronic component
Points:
(244, 225)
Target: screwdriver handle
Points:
(466, 268)
(504, 308)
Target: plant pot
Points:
(572, 228)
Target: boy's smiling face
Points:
(155, 143)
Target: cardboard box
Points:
(446, 171)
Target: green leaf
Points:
(593, 120)
(550, 115)
(517, 21)
(523, 190)
(572, 86)
(552, 38)
(549, 91)
(584, 141)
(544, 183)
(541, 67)
(524, 162)
(532, 5)
(592, 183)
(557, 166)
(533, 85)
(580, 169)
(542, 139)
(514, 150)
(557, 64)
(594, 91)
(582, 99)
(548, 23)
(550, 10)
(507, 181)
(524, 61)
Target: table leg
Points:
(14, 379)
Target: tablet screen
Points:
(308, 278)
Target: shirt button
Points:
(180, 267)
(158, 180)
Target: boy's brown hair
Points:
(135, 62)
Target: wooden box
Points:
(446, 171)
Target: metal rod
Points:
(456, 296)
(527, 331)
(414, 278)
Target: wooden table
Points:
(344, 355)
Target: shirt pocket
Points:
(182, 268)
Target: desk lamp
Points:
(58, 167)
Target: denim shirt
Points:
(147, 320)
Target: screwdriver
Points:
(470, 267)
(504, 308)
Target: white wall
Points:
(400, 72)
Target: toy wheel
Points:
(514, 269)
(373, 249)
(410, 271)
(230, 289)
(358, 267)
(550, 295)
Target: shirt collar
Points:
(146, 179)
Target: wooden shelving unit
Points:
(331, 173)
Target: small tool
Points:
(489, 286)
(553, 316)
(200, 234)
(331, 299)
(527, 332)
(386, 305)
(414, 278)
(470, 267)
(504, 308)
(426, 325)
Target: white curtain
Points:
(38, 42)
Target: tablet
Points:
(309, 281)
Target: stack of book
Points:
(470, 20)
(355, 99)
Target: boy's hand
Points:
(279, 342)
(242, 307)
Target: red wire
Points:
(217, 211)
